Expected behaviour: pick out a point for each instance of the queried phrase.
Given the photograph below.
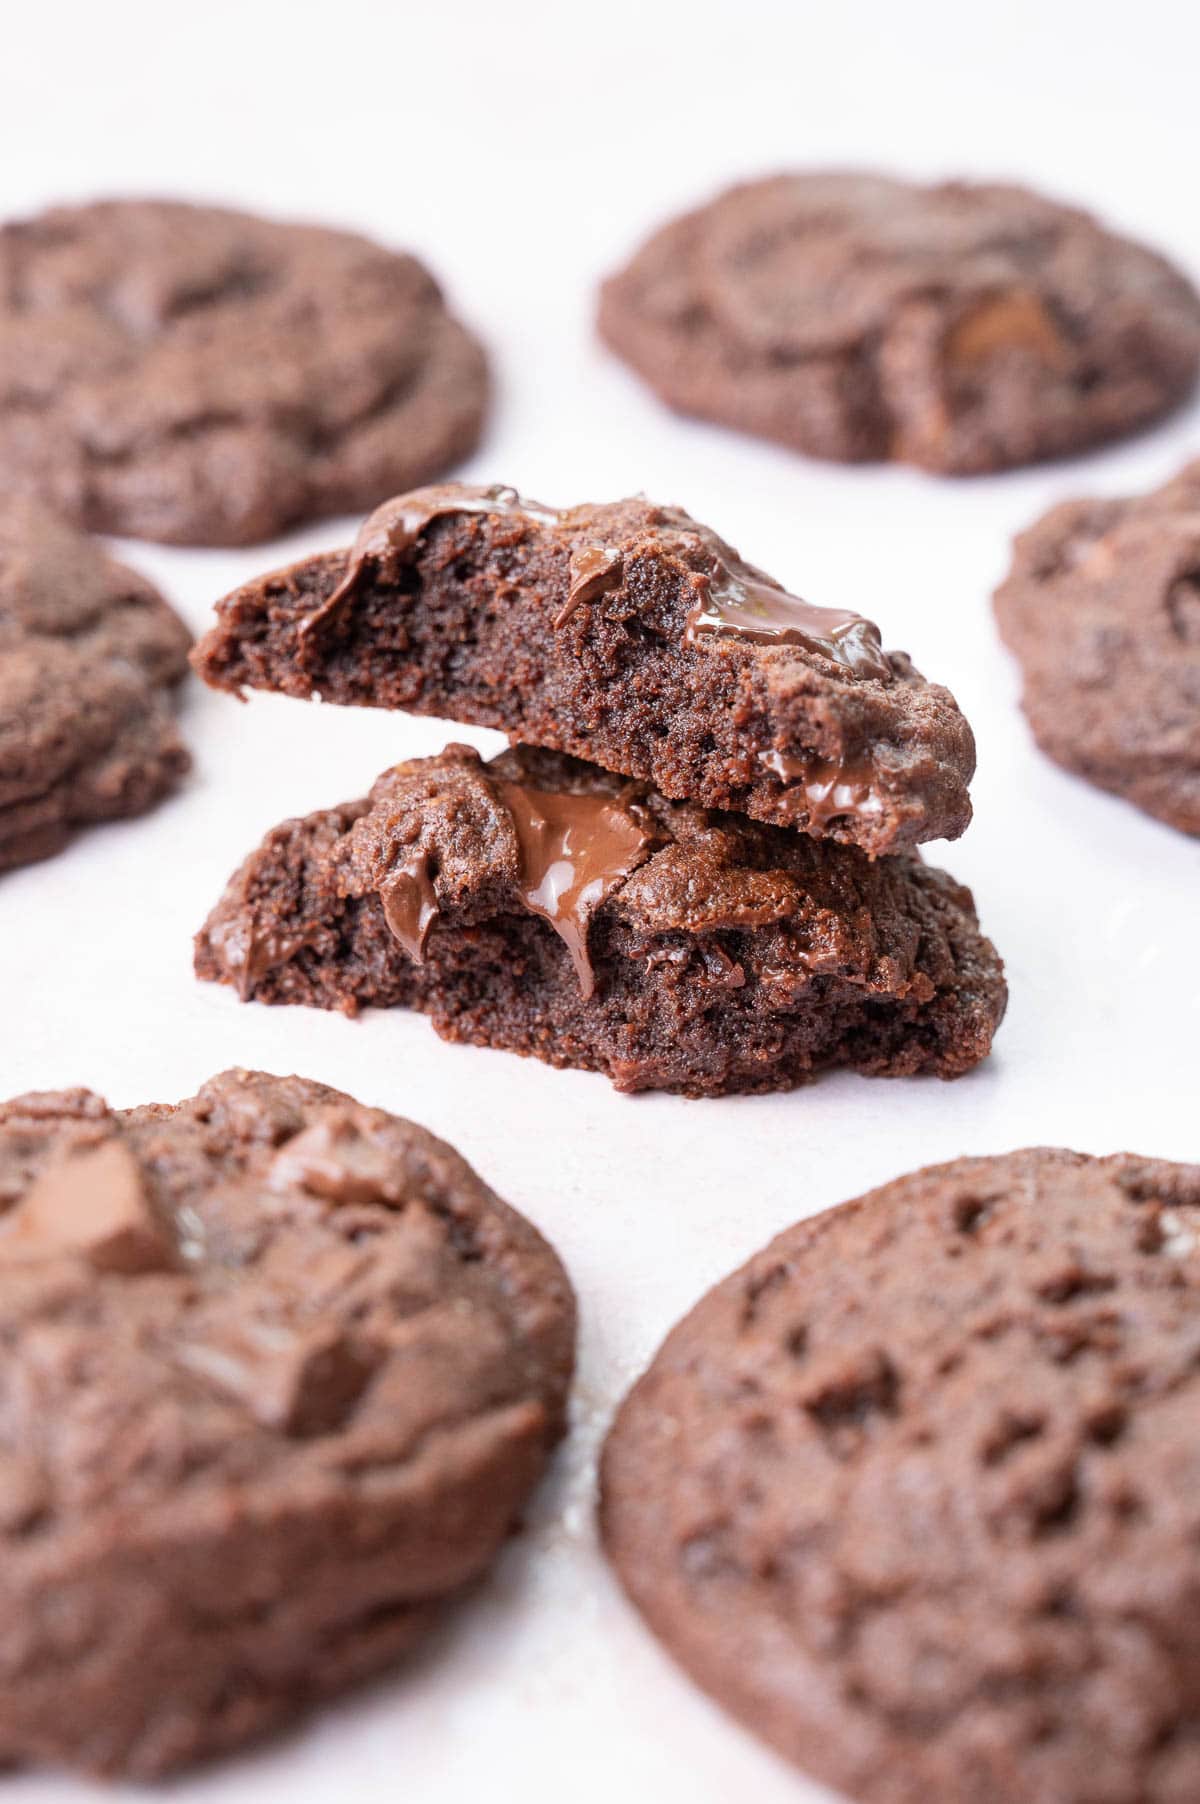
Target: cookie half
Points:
(963, 327)
(1102, 610)
(280, 1372)
(89, 652)
(539, 904)
(626, 634)
(204, 377)
(916, 1493)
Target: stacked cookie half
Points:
(696, 867)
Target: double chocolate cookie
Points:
(541, 904)
(88, 654)
(1102, 609)
(916, 1493)
(627, 634)
(279, 1375)
(962, 327)
(207, 378)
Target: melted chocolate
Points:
(575, 850)
(410, 904)
(251, 949)
(738, 603)
(829, 787)
(393, 529)
(594, 570)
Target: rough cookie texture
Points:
(916, 1493)
(88, 652)
(539, 904)
(962, 327)
(627, 634)
(279, 1375)
(1102, 610)
(207, 378)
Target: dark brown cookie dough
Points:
(88, 653)
(539, 904)
(962, 327)
(207, 378)
(627, 634)
(279, 1375)
(1102, 610)
(916, 1493)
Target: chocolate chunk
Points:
(203, 377)
(912, 1493)
(627, 634)
(237, 1486)
(576, 849)
(1102, 610)
(338, 1159)
(90, 1201)
(409, 906)
(300, 1381)
(738, 605)
(88, 651)
(593, 571)
(669, 946)
(962, 327)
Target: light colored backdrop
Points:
(524, 148)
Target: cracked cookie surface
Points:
(962, 327)
(89, 652)
(280, 1372)
(915, 1492)
(204, 377)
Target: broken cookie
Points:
(543, 905)
(626, 634)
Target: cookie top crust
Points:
(962, 327)
(267, 1331)
(1102, 610)
(88, 652)
(624, 633)
(205, 377)
(913, 1492)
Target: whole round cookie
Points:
(280, 1372)
(89, 651)
(916, 1493)
(962, 327)
(1102, 610)
(204, 377)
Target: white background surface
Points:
(524, 148)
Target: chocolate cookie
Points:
(540, 904)
(279, 1375)
(1102, 609)
(626, 634)
(962, 327)
(88, 653)
(916, 1493)
(206, 378)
